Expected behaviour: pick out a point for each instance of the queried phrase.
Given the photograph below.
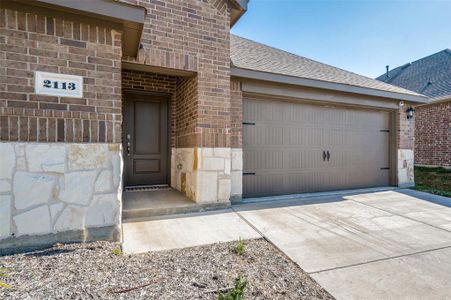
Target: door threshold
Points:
(146, 188)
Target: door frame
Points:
(168, 97)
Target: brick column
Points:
(405, 142)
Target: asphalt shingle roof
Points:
(247, 54)
(430, 76)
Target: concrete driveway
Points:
(379, 245)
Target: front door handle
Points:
(328, 155)
(324, 155)
(128, 144)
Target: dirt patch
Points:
(99, 271)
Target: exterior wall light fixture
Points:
(410, 113)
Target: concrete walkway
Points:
(367, 245)
(188, 230)
(381, 245)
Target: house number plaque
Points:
(55, 84)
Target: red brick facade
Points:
(433, 134)
(33, 42)
(193, 36)
(405, 129)
(236, 105)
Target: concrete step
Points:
(133, 215)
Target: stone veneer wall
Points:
(59, 192)
(202, 174)
(237, 175)
(405, 152)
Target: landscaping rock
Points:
(99, 271)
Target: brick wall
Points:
(405, 129)
(193, 35)
(34, 42)
(433, 134)
(151, 82)
(236, 107)
(186, 112)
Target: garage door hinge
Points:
(385, 168)
(384, 130)
(248, 173)
(248, 123)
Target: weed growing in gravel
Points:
(237, 292)
(116, 251)
(240, 247)
(3, 274)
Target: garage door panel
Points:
(284, 142)
(263, 159)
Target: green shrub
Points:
(3, 274)
(237, 292)
(116, 251)
(240, 247)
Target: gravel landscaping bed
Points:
(93, 271)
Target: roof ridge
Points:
(447, 50)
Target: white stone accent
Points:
(227, 166)
(7, 160)
(405, 168)
(72, 218)
(53, 187)
(46, 157)
(103, 211)
(224, 189)
(237, 173)
(21, 164)
(104, 182)
(55, 209)
(20, 149)
(87, 156)
(5, 186)
(117, 169)
(203, 174)
(237, 159)
(222, 152)
(237, 183)
(31, 189)
(35, 221)
(213, 163)
(207, 187)
(78, 187)
(5, 216)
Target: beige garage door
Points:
(297, 148)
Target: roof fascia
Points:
(259, 75)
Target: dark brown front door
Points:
(146, 139)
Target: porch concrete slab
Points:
(421, 276)
(183, 231)
(342, 233)
(426, 208)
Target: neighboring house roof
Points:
(250, 55)
(430, 76)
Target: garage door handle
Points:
(328, 155)
(324, 155)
